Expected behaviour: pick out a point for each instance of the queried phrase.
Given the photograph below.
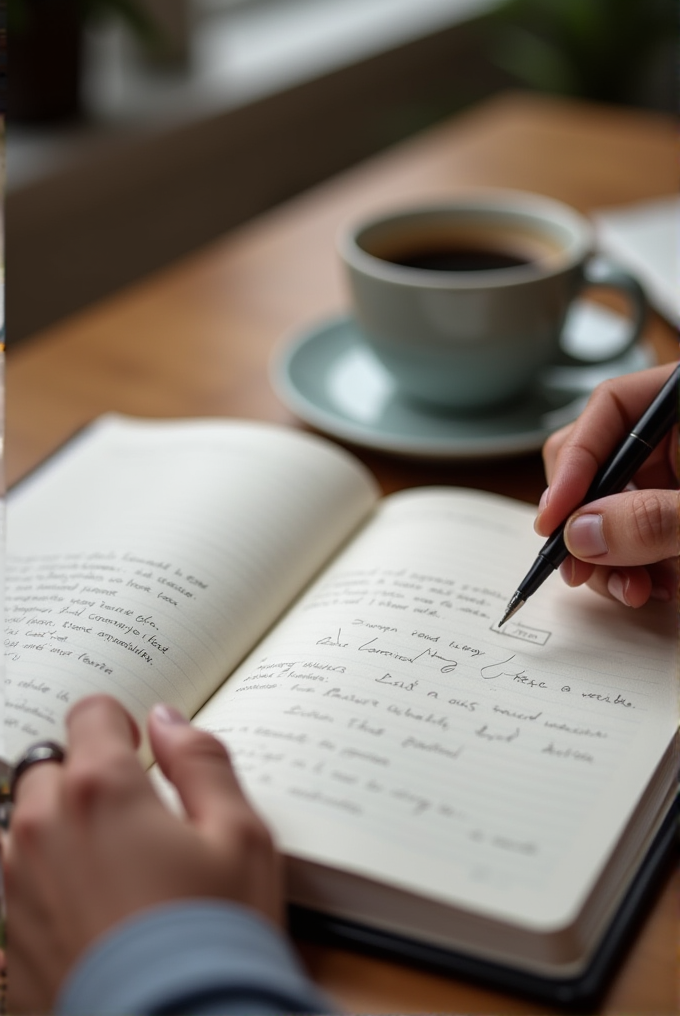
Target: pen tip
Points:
(515, 603)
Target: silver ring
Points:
(41, 751)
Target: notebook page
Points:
(148, 557)
(387, 728)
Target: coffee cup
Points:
(464, 302)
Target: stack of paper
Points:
(645, 238)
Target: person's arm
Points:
(93, 859)
(624, 546)
(204, 957)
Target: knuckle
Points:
(575, 457)
(30, 826)
(251, 835)
(654, 519)
(580, 456)
(552, 444)
(608, 394)
(86, 784)
(606, 389)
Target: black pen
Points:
(647, 433)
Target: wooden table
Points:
(194, 341)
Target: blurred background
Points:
(139, 130)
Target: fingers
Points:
(34, 782)
(626, 546)
(612, 409)
(102, 767)
(91, 843)
(34, 820)
(573, 455)
(198, 765)
(94, 725)
(97, 717)
(633, 528)
(630, 586)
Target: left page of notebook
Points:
(146, 558)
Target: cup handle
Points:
(599, 271)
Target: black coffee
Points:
(457, 259)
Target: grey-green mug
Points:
(464, 301)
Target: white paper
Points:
(387, 710)
(148, 557)
(645, 238)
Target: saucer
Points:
(329, 377)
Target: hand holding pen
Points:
(624, 545)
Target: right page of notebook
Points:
(387, 727)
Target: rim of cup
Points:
(548, 215)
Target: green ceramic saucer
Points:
(329, 378)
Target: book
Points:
(486, 798)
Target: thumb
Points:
(198, 765)
(633, 528)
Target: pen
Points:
(613, 476)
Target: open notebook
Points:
(439, 787)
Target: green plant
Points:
(606, 50)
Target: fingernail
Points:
(618, 587)
(660, 593)
(168, 714)
(542, 505)
(585, 536)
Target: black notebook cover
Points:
(580, 993)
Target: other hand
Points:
(91, 843)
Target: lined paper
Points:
(148, 557)
(387, 711)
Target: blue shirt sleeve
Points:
(202, 957)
